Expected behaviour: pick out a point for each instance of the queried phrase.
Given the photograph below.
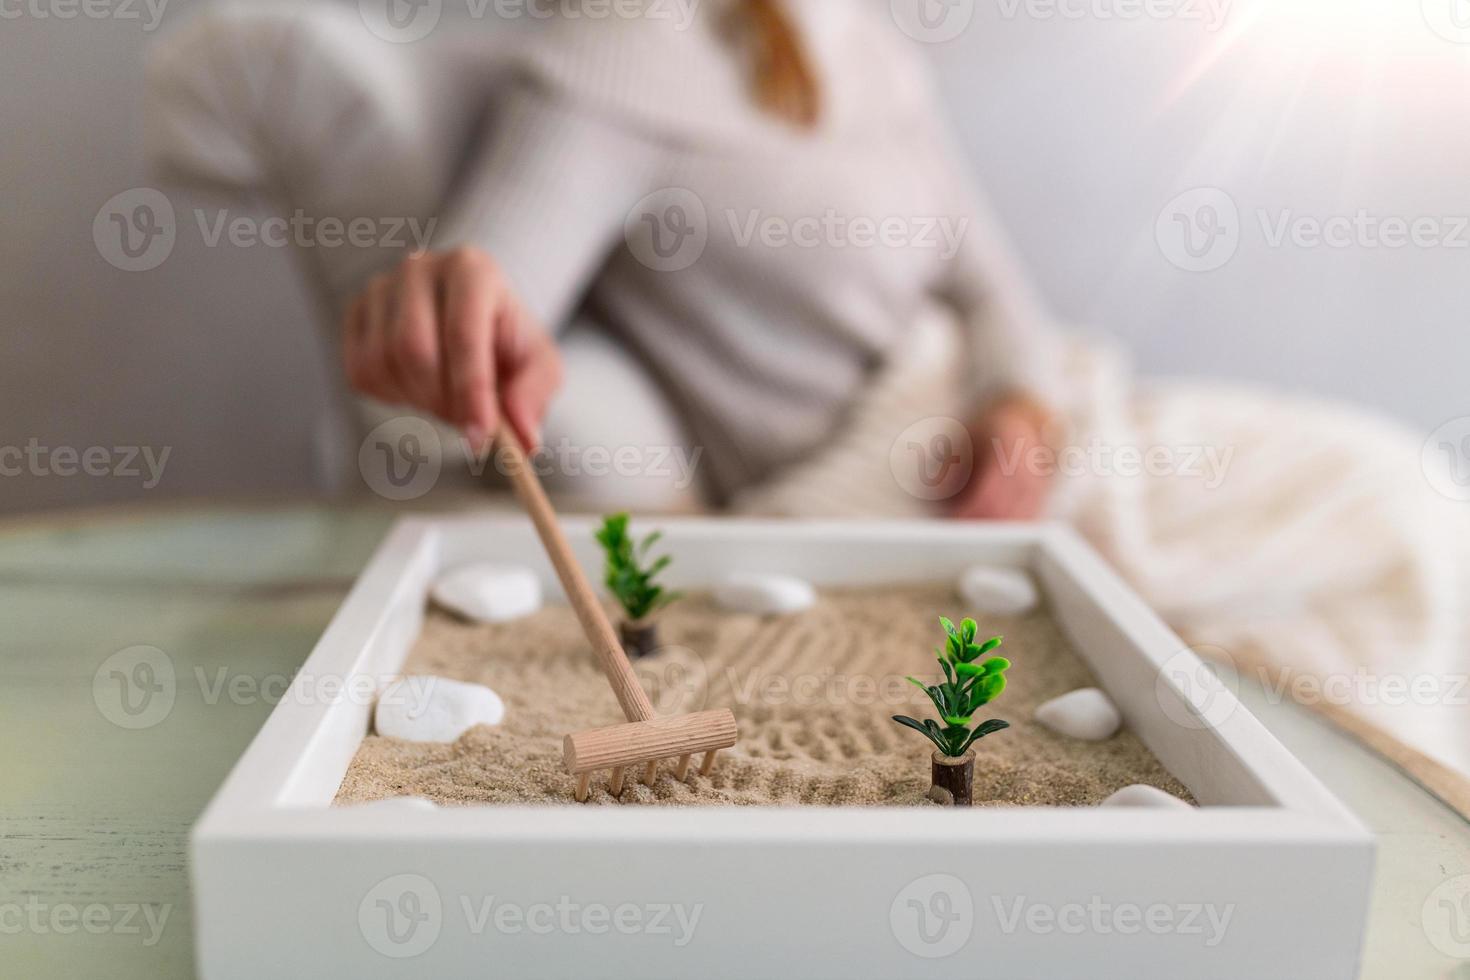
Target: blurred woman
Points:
(734, 229)
(753, 209)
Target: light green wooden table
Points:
(94, 817)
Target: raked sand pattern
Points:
(813, 693)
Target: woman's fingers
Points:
(354, 326)
(414, 333)
(380, 379)
(443, 332)
(997, 491)
(470, 284)
(1033, 497)
(530, 385)
(995, 495)
(979, 500)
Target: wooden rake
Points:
(645, 738)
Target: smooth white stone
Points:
(1141, 795)
(489, 593)
(1085, 713)
(999, 591)
(435, 709)
(764, 595)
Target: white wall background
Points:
(1084, 123)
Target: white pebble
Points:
(1085, 713)
(435, 709)
(489, 593)
(999, 591)
(1141, 795)
(764, 595)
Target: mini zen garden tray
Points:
(1269, 878)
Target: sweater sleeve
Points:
(1011, 339)
(547, 194)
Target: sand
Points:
(813, 693)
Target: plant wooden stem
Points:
(955, 776)
(639, 638)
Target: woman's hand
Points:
(444, 333)
(1008, 483)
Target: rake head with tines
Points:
(645, 738)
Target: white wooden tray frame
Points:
(279, 874)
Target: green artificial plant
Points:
(969, 684)
(626, 578)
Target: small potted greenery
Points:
(969, 683)
(632, 584)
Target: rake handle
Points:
(595, 624)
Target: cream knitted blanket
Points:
(1299, 545)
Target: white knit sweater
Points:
(793, 264)
(761, 272)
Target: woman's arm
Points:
(1014, 360)
(466, 329)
